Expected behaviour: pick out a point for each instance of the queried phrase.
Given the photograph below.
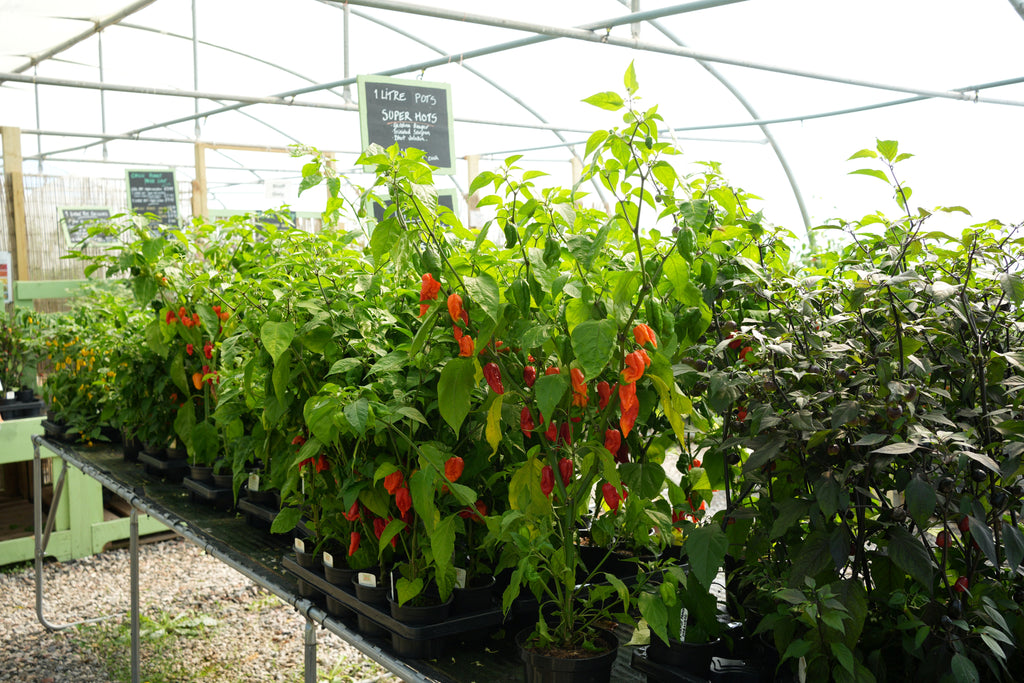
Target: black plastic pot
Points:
(377, 596)
(201, 472)
(545, 668)
(131, 447)
(693, 658)
(476, 597)
(25, 395)
(340, 576)
(421, 614)
(224, 481)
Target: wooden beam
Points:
(199, 197)
(11, 139)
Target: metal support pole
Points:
(103, 96)
(310, 661)
(134, 550)
(347, 90)
(195, 64)
(42, 538)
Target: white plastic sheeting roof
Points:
(792, 60)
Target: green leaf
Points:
(845, 413)
(593, 342)
(629, 80)
(910, 555)
(594, 141)
(1013, 542)
(888, 149)
(406, 589)
(643, 479)
(484, 178)
(483, 291)
(454, 390)
(1013, 287)
(963, 669)
(655, 613)
(340, 367)
(920, 501)
(358, 415)
(873, 172)
(871, 439)
(277, 337)
(385, 235)
(901, 448)
(549, 390)
(606, 100)
(286, 520)
(706, 546)
(864, 153)
(981, 534)
(842, 653)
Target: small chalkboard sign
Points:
(155, 192)
(445, 198)
(411, 113)
(277, 218)
(75, 222)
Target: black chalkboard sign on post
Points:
(75, 221)
(411, 113)
(155, 192)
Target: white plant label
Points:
(254, 482)
(329, 560)
(367, 579)
(460, 577)
(299, 545)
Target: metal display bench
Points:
(257, 555)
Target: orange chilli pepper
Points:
(455, 307)
(634, 369)
(643, 334)
(466, 346)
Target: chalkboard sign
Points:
(412, 113)
(75, 221)
(445, 198)
(154, 192)
(278, 218)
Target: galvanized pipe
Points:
(309, 642)
(195, 63)
(608, 39)
(71, 42)
(103, 94)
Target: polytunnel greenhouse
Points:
(615, 340)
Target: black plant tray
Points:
(172, 470)
(256, 515)
(722, 671)
(455, 625)
(56, 431)
(208, 493)
(17, 410)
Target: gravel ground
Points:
(248, 635)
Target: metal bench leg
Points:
(134, 549)
(310, 663)
(42, 537)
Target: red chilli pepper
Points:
(466, 345)
(393, 482)
(208, 350)
(604, 394)
(353, 544)
(622, 456)
(189, 349)
(552, 431)
(403, 499)
(492, 373)
(643, 334)
(565, 469)
(565, 433)
(379, 524)
(453, 468)
(428, 292)
(552, 371)
(547, 480)
(634, 369)
(455, 307)
(529, 375)
(526, 424)
(611, 496)
(612, 440)
(170, 319)
(353, 512)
